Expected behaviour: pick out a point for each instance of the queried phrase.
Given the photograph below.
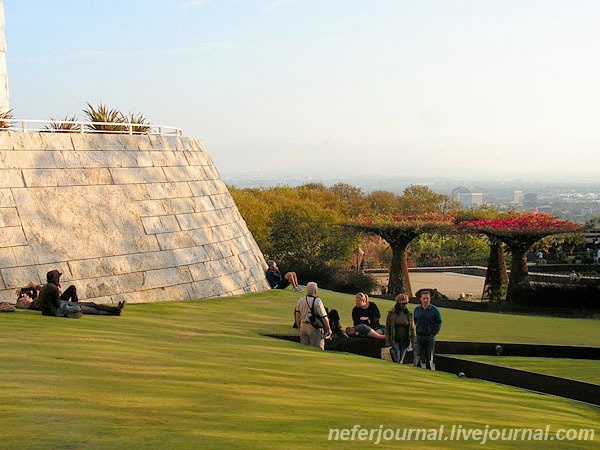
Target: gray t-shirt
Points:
(304, 304)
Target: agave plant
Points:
(68, 125)
(103, 114)
(140, 124)
(5, 124)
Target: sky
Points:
(480, 89)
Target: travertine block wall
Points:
(135, 218)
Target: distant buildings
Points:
(518, 198)
(471, 199)
(530, 201)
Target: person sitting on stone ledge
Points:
(29, 298)
(278, 281)
(365, 316)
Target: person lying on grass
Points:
(29, 297)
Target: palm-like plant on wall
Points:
(67, 125)
(139, 124)
(112, 119)
(4, 123)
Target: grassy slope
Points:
(201, 375)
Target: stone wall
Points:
(135, 218)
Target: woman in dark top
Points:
(365, 316)
(400, 329)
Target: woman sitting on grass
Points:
(365, 316)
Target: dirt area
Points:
(447, 283)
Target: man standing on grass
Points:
(307, 306)
(428, 322)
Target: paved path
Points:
(448, 283)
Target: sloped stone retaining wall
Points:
(135, 218)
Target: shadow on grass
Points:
(546, 384)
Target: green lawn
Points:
(191, 375)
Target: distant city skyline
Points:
(453, 88)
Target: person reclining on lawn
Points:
(278, 281)
(29, 297)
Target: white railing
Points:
(54, 126)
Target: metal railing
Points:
(68, 126)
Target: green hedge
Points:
(557, 295)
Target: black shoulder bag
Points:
(314, 320)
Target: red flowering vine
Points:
(521, 223)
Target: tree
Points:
(418, 199)
(351, 198)
(382, 202)
(399, 231)
(496, 276)
(307, 238)
(519, 231)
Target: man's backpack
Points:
(314, 320)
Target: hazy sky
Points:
(487, 89)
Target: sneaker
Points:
(297, 289)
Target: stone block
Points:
(194, 221)
(6, 198)
(100, 267)
(213, 250)
(133, 192)
(189, 256)
(160, 224)
(203, 204)
(110, 285)
(39, 177)
(184, 205)
(9, 217)
(7, 257)
(94, 142)
(11, 159)
(165, 159)
(26, 141)
(211, 172)
(56, 141)
(12, 236)
(152, 208)
(166, 277)
(140, 262)
(137, 175)
(197, 158)
(185, 173)
(82, 177)
(24, 255)
(15, 277)
(222, 201)
(11, 178)
(144, 143)
(169, 190)
(128, 142)
(182, 239)
(197, 188)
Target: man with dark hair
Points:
(428, 322)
